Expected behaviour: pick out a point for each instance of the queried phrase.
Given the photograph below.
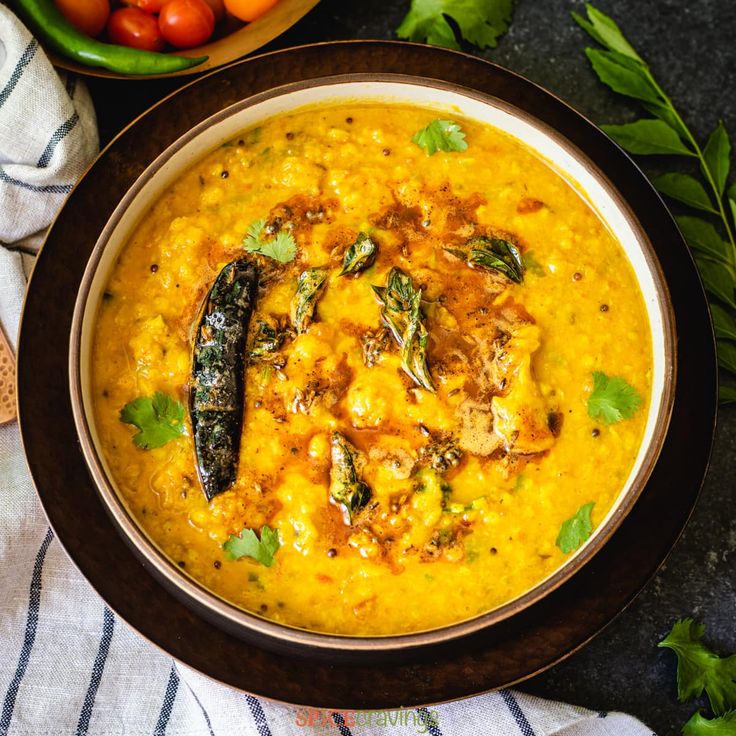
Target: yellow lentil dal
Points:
(512, 364)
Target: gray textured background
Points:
(690, 46)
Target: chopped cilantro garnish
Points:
(576, 529)
(247, 544)
(440, 135)
(159, 419)
(612, 399)
(282, 247)
(698, 668)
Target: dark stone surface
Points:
(690, 48)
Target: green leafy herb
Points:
(698, 668)
(247, 544)
(698, 725)
(311, 283)
(402, 314)
(612, 399)
(727, 355)
(723, 322)
(360, 255)
(686, 189)
(576, 529)
(346, 487)
(281, 247)
(620, 67)
(480, 22)
(440, 135)
(159, 419)
(647, 137)
(492, 254)
(267, 339)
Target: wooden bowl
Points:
(220, 51)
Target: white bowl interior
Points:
(560, 154)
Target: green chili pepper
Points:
(44, 18)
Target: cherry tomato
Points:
(218, 8)
(186, 23)
(249, 10)
(147, 6)
(89, 16)
(132, 27)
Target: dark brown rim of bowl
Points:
(251, 624)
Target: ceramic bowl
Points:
(569, 161)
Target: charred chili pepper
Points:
(218, 375)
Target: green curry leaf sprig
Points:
(480, 22)
(619, 66)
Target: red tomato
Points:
(186, 23)
(89, 16)
(147, 6)
(132, 27)
(218, 8)
(249, 10)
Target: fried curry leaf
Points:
(402, 314)
(282, 247)
(492, 254)
(310, 286)
(360, 255)
(698, 725)
(267, 339)
(346, 487)
(159, 419)
(247, 544)
(480, 22)
(699, 668)
(576, 529)
(440, 135)
(612, 399)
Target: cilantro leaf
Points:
(440, 135)
(247, 544)
(576, 529)
(282, 247)
(612, 399)
(698, 668)
(480, 22)
(158, 418)
(700, 726)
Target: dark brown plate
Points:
(505, 653)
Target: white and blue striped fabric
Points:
(68, 666)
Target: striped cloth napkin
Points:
(68, 665)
